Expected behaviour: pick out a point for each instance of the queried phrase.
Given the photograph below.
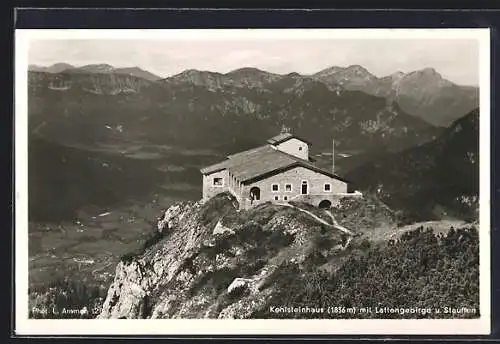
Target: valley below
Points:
(81, 233)
(89, 205)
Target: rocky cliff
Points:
(210, 260)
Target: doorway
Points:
(304, 188)
(255, 194)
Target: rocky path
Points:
(334, 223)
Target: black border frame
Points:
(290, 16)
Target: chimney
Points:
(285, 129)
(333, 156)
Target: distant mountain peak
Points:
(328, 71)
(54, 68)
(100, 67)
(429, 70)
(345, 72)
(247, 70)
(191, 72)
(430, 74)
(62, 64)
(358, 68)
(138, 72)
(133, 68)
(394, 77)
(184, 74)
(397, 74)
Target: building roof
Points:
(265, 163)
(250, 152)
(274, 163)
(236, 159)
(275, 140)
(261, 162)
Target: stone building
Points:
(279, 171)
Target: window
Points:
(276, 198)
(275, 187)
(328, 187)
(218, 181)
(285, 198)
(288, 187)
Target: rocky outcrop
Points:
(214, 261)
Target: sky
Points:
(455, 59)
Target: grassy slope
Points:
(420, 270)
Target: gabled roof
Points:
(236, 159)
(250, 152)
(275, 140)
(264, 163)
(272, 164)
(261, 162)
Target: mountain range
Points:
(94, 68)
(423, 93)
(203, 109)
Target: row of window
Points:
(288, 187)
(327, 187)
(277, 198)
(276, 187)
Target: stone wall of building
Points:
(295, 147)
(209, 189)
(294, 177)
